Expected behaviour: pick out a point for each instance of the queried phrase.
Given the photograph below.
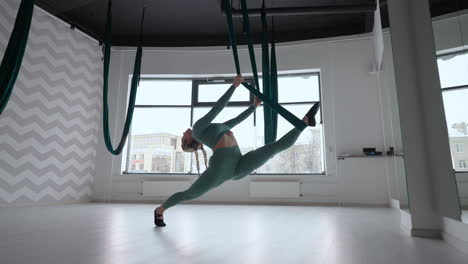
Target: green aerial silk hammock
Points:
(133, 89)
(270, 122)
(270, 100)
(11, 62)
(274, 81)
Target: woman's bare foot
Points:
(160, 210)
(309, 118)
(306, 120)
(158, 216)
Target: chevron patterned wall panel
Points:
(49, 130)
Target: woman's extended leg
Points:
(256, 158)
(207, 181)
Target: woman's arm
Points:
(219, 105)
(235, 121)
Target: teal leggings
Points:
(229, 164)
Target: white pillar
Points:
(429, 172)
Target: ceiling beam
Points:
(315, 10)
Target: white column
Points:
(429, 172)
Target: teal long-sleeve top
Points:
(209, 133)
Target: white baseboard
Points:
(405, 230)
(394, 203)
(456, 242)
(405, 222)
(247, 202)
(407, 227)
(456, 234)
(426, 233)
(275, 189)
(201, 202)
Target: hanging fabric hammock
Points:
(134, 84)
(11, 62)
(270, 126)
(271, 99)
(274, 80)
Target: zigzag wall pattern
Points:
(49, 130)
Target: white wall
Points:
(49, 129)
(351, 108)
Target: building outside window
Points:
(166, 108)
(453, 70)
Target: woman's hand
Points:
(238, 80)
(257, 101)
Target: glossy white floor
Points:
(205, 234)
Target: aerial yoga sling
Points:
(270, 95)
(134, 84)
(13, 57)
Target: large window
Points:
(166, 108)
(453, 70)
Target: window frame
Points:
(213, 81)
(460, 162)
(196, 104)
(460, 148)
(453, 88)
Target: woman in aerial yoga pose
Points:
(227, 162)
